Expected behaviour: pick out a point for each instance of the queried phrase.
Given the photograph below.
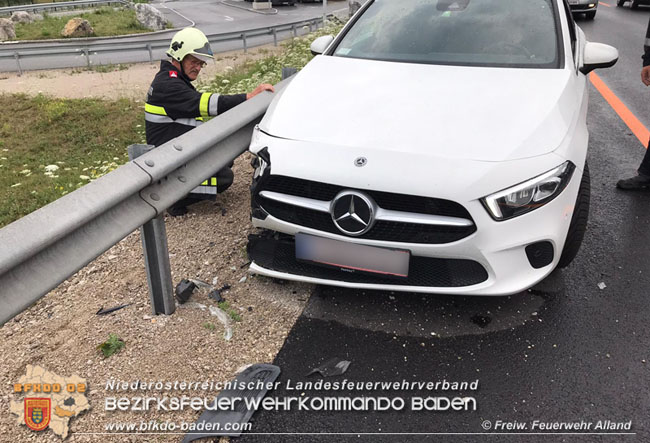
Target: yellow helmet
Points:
(190, 41)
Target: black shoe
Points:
(638, 182)
(177, 211)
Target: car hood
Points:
(475, 113)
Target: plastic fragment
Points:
(332, 367)
(184, 290)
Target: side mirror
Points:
(319, 45)
(598, 55)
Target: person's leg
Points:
(642, 179)
(180, 207)
(644, 169)
(225, 178)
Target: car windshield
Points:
(517, 33)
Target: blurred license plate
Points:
(352, 257)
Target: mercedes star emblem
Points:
(353, 212)
(360, 161)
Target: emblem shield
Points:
(37, 413)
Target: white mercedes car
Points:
(433, 146)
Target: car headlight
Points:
(529, 195)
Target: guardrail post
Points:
(310, 27)
(275, 37)
(17, 57)
(150, 52)
(243, 36)
(87, 54)
(156, 255)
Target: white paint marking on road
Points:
(229, 18)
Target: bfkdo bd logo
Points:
(37, 413)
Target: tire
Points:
(578, 225)
(620, 2)
(591, 15)
(635, 4)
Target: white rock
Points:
(21, 17)
(7, 31)
(150, 17)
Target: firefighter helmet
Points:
(190, 41)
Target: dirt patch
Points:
(128, 81)
(61, 331)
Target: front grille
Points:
(382, 230)
(386, 200)
(279, 255)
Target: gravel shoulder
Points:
(61, 331)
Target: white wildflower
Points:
(51, 168)
(84, 177)
(15, 185)
(25, 171)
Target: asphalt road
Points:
(565, 351)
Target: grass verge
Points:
(246, 77)
(49, 147)
(106, 21)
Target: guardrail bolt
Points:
(155, 197)
(149, 163)
(182, 179)
(178, 147)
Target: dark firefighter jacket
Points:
(174, 106)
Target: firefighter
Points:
(174, 106)
(641, 181)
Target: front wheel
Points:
(578, 225)
(591, 15)
(635, 4)
(620, 2)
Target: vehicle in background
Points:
(587, 7)
(279, 2)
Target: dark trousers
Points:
(225, 178)
(644, 169)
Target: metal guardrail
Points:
(57, 5)
(96, 47)
(42, 249)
